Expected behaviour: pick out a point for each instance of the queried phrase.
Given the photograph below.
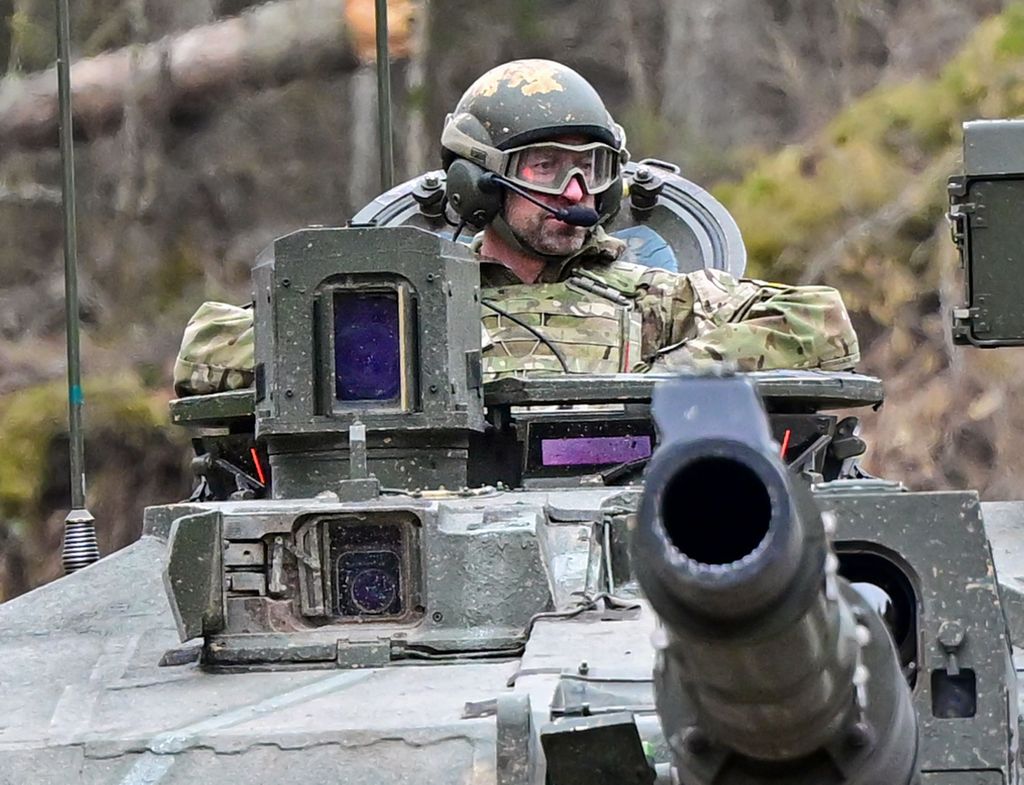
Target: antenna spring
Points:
(80, 547)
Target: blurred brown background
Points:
(207, 127)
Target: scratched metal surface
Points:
(82, 699)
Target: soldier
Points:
(532, 153)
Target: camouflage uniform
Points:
(593, 312)
(603, 314)
(217, 351)
(609, 315)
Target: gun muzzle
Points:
(771, 668)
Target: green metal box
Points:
(986, 206)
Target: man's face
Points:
(538, 228)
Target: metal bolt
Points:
(860, 735)
(643, 175)
(437, 616)
(431, 181)
(430, 277)
(951, 635)
(289, 393)
(584, 668)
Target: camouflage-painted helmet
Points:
(524, 102)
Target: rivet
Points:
(859, 735)
(696, 742)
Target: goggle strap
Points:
(462, 144)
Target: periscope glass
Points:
(367, 350)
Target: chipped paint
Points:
(530, 77)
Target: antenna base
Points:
(80, 547)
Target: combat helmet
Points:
(515, 107)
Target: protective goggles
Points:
(546, 167)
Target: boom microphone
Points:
(577, 215)
(574, 215)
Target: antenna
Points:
(80, 548)
(387, 156)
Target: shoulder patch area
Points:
(623, 277)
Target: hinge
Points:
(969, 322)
(960, 210)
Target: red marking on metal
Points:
(259, 469)
(785, 443)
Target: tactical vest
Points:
(592, 324)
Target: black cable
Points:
(531, 329)
(575, 215)
(614, 474)
(458, 231)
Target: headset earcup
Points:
(471, 193)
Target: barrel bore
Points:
(716, 511)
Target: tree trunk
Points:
(272, 44)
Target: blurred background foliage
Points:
(827, 126)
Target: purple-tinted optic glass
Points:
(594, 450)
(367, 355)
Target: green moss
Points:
(1011, 42)
(32, 43)
(790, 203)
(96, 26)
(31, 419)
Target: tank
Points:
(393, 571)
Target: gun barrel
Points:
(769, 661)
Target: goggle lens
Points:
(549, 167)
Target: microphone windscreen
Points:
(577, 215)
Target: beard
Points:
(549, 236)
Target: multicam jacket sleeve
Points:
(216, 351)
(711, 316)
